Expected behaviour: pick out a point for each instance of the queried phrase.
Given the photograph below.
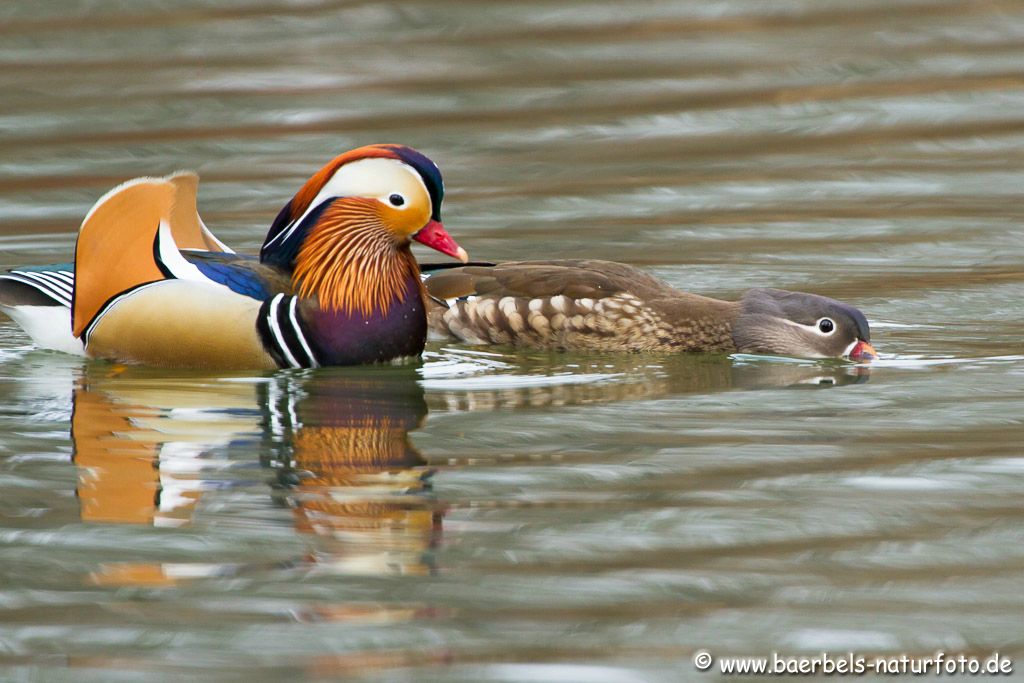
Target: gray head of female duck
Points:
(797, 324)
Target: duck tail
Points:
(38, 299)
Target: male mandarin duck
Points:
(600, 305)
(335, 282)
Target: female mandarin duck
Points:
(599, 305)
(335, 282)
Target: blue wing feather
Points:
(50, 268)
(232, 275)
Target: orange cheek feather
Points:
(403, 223)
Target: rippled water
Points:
(488, 515)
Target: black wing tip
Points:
(432, 267)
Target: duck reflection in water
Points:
(352, 473)
(336, 443)
(612, 378)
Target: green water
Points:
(492, 516)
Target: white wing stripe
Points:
(174, 262)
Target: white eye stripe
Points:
(815, 327)
(355, 179)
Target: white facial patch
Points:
(376, 178)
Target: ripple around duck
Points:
(910, 362)
(461, 370)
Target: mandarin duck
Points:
(335, 282)
(605, 306)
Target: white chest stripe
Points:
(283, 330)
(275, 329)
(292, 305)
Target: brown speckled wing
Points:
(570, 305)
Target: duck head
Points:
(806, 325)
(345, 235)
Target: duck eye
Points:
(396, 200)
(826, 325)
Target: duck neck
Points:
(351, 264)
(700, 323)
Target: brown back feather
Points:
(534, 279)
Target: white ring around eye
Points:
(817, 327)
